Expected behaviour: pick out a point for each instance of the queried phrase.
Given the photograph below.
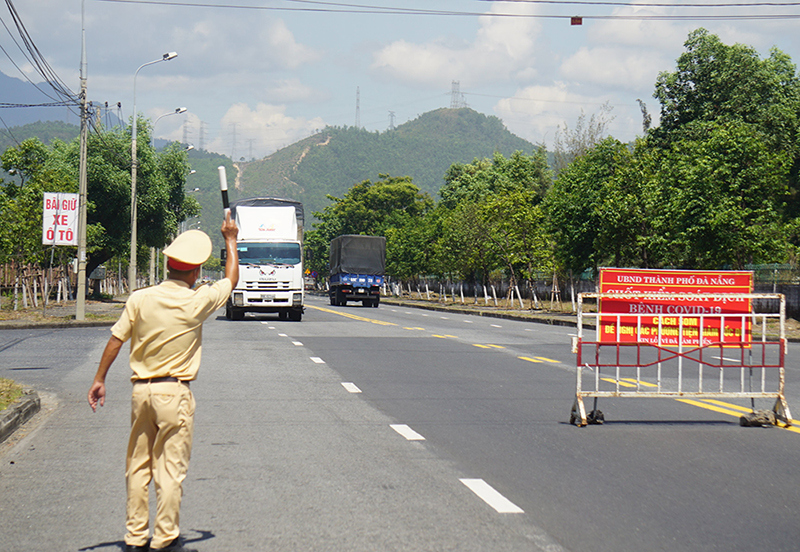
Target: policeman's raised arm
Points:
(230, 232)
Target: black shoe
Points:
(175, 546)
(132, 548)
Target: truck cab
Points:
(270, 248)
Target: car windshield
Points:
(269, 253)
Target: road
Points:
(396, 429)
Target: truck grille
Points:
(266, 286)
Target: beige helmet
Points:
(189, 250)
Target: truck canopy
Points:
(268, 218)
(358, 255)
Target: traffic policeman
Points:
(164, 325)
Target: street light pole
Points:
(177, 111)
(134, 165)
(153, 250)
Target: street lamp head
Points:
(190, 147)
(180, 110)
(169, 55)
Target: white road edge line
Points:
(297, 343)
(282, 335)
(407, 432)
(491, 497)
(351, 387)
(317, 360)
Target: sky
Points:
(259, 75)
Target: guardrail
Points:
(691, 354)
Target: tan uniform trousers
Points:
(162, 421)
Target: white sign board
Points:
(60, 219)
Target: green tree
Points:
(162, 203)
(517, 228)
(367, 208)
(718, 199)
(581, 214)
(722, 84)
(21, 200)
(483, 178)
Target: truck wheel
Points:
(333, 299)
(228, 312)
(375, 302)
(296, 315)
(283, 315)
(237, 314)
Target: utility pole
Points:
(358, 107)
(391, 120)
(80, 300)
(202, 135)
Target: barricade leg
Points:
(578, 414)
(781, 410)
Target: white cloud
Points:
(290, 91)
(244, 46)
(618, 67)
(504, 47)
(261, 131)
(536, 112)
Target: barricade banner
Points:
(688, 308)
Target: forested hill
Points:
(46, 131)
(335, 159)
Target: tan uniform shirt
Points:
(165, 326)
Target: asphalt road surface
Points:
(362, 429)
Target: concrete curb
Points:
(54, 325)
(19, 412)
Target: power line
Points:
(647, 4)
(335, 7)
(33, 56)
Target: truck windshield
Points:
(269, 253)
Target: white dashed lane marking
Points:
(407, 432)
(351, 387)
(491, 497)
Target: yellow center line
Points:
(710, 407)
(352, 316)
(709, 404)
(621, 383)
(529, 359)
(728, 405)
(479, 345)
(548, 360)
(495, 346)
(642, 383)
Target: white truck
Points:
(270, 247)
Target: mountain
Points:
(332, 161)
(45, 131)
(24, 93)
